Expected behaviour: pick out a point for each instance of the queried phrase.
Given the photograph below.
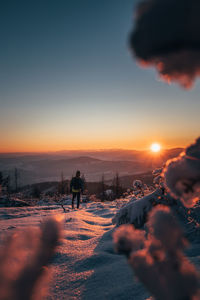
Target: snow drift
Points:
(135, 211)
(166, 35)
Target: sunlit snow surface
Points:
(85, 265)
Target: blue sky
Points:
(68, 81)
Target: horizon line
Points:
(83, 150)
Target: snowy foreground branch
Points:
(156, 255)
(157, 259)
(182, 175)
(24, 258)
(136, 211)
(166, 35)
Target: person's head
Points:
(78, 173)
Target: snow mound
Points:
(135, 212)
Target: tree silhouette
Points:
(16, 179)
(61, 186)
(84, 182)
(117, 186)
(102, 189)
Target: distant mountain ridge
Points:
(112, 154)
(46, 167)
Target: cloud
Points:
(160, 264)
(166, 35)
(182, 175)
(24, 258)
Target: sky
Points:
(68, 81)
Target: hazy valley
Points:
(45, 167)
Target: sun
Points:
(155, 147)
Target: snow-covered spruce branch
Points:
(136, 211)
(156, 256)
(158, 259)
(158, 25)
(182, 175)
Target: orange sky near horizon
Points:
(56, 127)
(42, 144)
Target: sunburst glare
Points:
(155, 147)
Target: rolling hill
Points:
(48, 167)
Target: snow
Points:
(182, 175)
(158, 259)
(85, 265)
(135, 211)
(157, 26)
(137, 184)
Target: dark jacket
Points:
(76, 185)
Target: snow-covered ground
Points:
(85, 265)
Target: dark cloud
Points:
(182, 175)
(166, 35)
(160, 264)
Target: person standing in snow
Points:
(76, 188)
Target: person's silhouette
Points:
(76, 188)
